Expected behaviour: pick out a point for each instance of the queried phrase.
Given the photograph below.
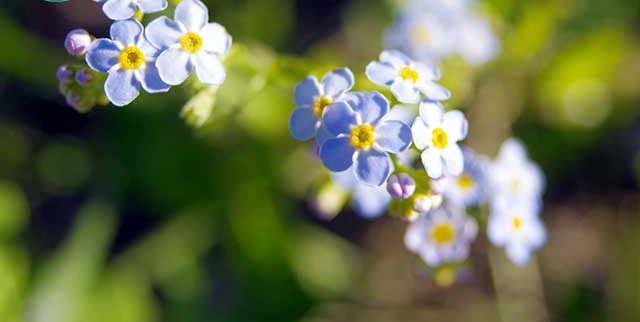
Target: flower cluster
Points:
(429, 30)
(154, 58)
(408, 160)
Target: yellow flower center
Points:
(465, 182)
(320, 103)
(362, 136)
(515, 185)
(443, 233)
(408, 73)
(439, 138)
(517, 223)
(131, 58)
(191, 42)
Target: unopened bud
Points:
(401, 186)
(84, 77)
(77, 42)
(64, 74)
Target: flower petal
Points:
(370, 202)
(453, 159)
(322, 134)
(337, 154)
(455, 124)
(119, 9)
(102, 55)
(395, 58)
(215, 39)
(121, 87)
(432, 162)
(163, 32)
(338, 118)
(127, 32)
(421, 133)
(151, 81)
(193, 14)
(151, 6)
(382, 74)
(150, 52)
(519, 253)
(432, 113)
(373, 167)
(337, 82)
(434, 91)
(209, 69)
(393, 136)
(414, 238)
(405, 91)
(306, 92)
(302, 124)
(372, 108)
(173, 66)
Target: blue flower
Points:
(190, 42)
(125, 9)
(367, 201)
(129, 59)
(471, 187)
(311, 98)
(363, 137)
(406, 79)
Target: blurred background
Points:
(131, 214)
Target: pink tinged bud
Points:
(77, 42)
(83, 77)
(401, 186)
(64, 74)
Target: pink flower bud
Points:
(401, 186)
(77, 42)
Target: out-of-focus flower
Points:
(442, 236)
(77, 42)
(475, 41)
(437, 133)
(513, 176)
(471, 186)
(401, 186)
(64, 74)
(423, 203)
(363, 138)
(129, 59)
(367, 201)
(406, 78)
(312, 97)
(517, 227)
(189, 42)
(125, 9)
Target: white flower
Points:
(476, 41)
(513, 176)
(442, 236)
(437, 133)
(517, 227)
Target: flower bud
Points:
(83, 77)
(423, 203)
(77, 42)
(64, 74)
(401, 186)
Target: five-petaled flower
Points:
(442, 236)
(129, 59)
(189, 42)
(363, 137)
(406, 78)
(311, 98)
(437, 133)
(125, 9)
(515, 177)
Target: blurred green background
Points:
(130, 214)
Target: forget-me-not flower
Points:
(129, 59)
(311, 98)
(442, 236)
(515, 177)
(471, 186)
(366, 200)
(189, 42)
(437, 133)
(125, 9)
(363, 137)
(408, 80)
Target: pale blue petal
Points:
(322, 134)
(150, 52)
(338, 118)
(372, 108)
(337, 154)
(209, 69)
(193, 14)
(163, 32)
(519, 253)
(215, 39)
(121, 87)
(127, 32)
(151, 6)
(302, 124)
(382, 74)
(370, 202)
(102, 55)
(405, 91)
(393, 136)
(373, 167)
(119, 9)
(395, 58)
(151, 81)
(306, 92)
(434, 91)
(174, 66)
(337, 82)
